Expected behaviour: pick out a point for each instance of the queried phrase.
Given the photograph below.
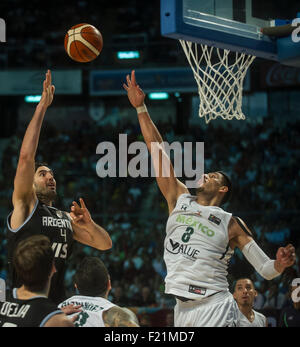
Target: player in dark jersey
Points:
(33, 213)
(29, 306)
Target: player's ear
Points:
(108, 286)
(223, 189)
(53, 269)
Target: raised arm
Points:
(170, 186)
(240, 236)
(23, 195)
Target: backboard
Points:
(229, 24)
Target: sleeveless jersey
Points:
(196, 249)
(54, 224)
(34, 312)
(92, 310)
(259, 321)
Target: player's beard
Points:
(45, 195)
(199, 190)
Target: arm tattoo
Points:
(120, 317)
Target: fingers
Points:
(82, 204)
(74, 318)
(50, 77)
(75, 217)
(128, 81)
(133, 80)
(74, 203)
(288, 254)
(70, 309)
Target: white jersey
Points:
(92, 310)
(196, 249)
(259, 320)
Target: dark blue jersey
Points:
(54, 224)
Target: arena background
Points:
(261, 154)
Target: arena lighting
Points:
(32, 98)
(158, 96)
(122, 55)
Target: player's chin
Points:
(51, 194)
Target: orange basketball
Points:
(83, 42)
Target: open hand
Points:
(71, 309)
(135, 94)
(48, 91)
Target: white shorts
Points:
(218, 310)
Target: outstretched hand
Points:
(135, 94)
(286, 256)
(48, 91)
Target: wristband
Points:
(141, 109)
(260, 261)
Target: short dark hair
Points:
(91, 277)
(33, 259)
(39, 164)
(239, 279)
(227, 183)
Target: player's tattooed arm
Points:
(120, 317)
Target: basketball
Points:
(83, 43)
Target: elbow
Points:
(105, 246)
(109, 245)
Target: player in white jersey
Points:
(244, 294)
(93, 284)
(201, 237)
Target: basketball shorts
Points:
(219, 310)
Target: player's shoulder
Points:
(239, 226)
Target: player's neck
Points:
(24, 293)
(247, 311)
(45, 199)
(208, 201)
(46, 202)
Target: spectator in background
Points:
(290, 315)
(145, 320)
(145, 298)
(118, 296)
(274, 299)
(169, 319)
(260, 299)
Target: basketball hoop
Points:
(220, 83)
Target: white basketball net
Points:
(220, 84)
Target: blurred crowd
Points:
(35, 34)
(262, 160)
